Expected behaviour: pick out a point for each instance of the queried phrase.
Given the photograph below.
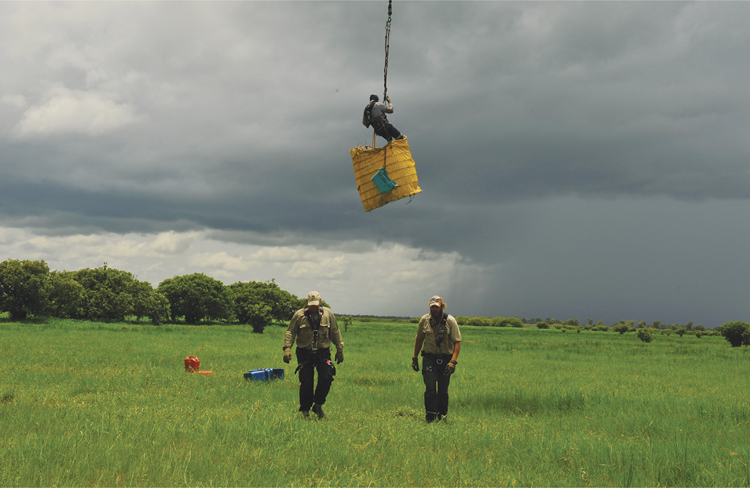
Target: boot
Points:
(318, 410)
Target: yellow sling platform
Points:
(399, 165)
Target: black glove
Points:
(415, 364)
(287, 356)
(339, 357)
(450, 368)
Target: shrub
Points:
(24, 286)
(481, 321)
(507, 322)
(65, 296)
(737, 333)
(108, 293)
(644, 334)
(542, 325)
(195, 297)
(348, 322)
(681, 331)
(249, 305)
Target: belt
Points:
(438, 358)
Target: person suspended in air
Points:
(375, 116)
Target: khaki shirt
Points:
(301, 330)
(426, 334)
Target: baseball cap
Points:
(436, 300)
(313, 298)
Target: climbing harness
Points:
(315, 325)
(440, 332)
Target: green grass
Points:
(90, 404)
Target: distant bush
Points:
(249, 305)
(644, 334)
(542, 325)
(621, 328)
(107, 294)
(65, 296)
(24, 287)
(481, 321)
(196, 297)
(347, 319)
(737, 333)
(601, 328)
(507, 322)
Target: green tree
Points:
(250, 304)
(507, 322)
(644, 334)
(681, 331)
(66, 295)
(24, 288)
(656, 324)
(108, 293)
(147, 302)
(542, 325)
(622, 327)
(195, 297)
(737, 333)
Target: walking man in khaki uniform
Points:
(439, 334)
(314, 328)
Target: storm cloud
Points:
(577, 159)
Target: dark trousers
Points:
(309, 362)
(436, 384)
(385, 130)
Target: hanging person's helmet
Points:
(374, 97)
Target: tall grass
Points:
(87, 404)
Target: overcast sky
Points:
(577, 159)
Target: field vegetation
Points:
(109, 404)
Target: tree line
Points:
(29, 288)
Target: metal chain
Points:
(387, 43)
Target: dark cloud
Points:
(237, 119)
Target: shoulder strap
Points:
(440, 332)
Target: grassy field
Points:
(89, 404)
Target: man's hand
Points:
(339, 356)
(287, 355)
(415, 364)
(388, 99)
(450, 368)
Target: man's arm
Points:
(456, 350)
(417, 346)
(335, 332)
(291, 332)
